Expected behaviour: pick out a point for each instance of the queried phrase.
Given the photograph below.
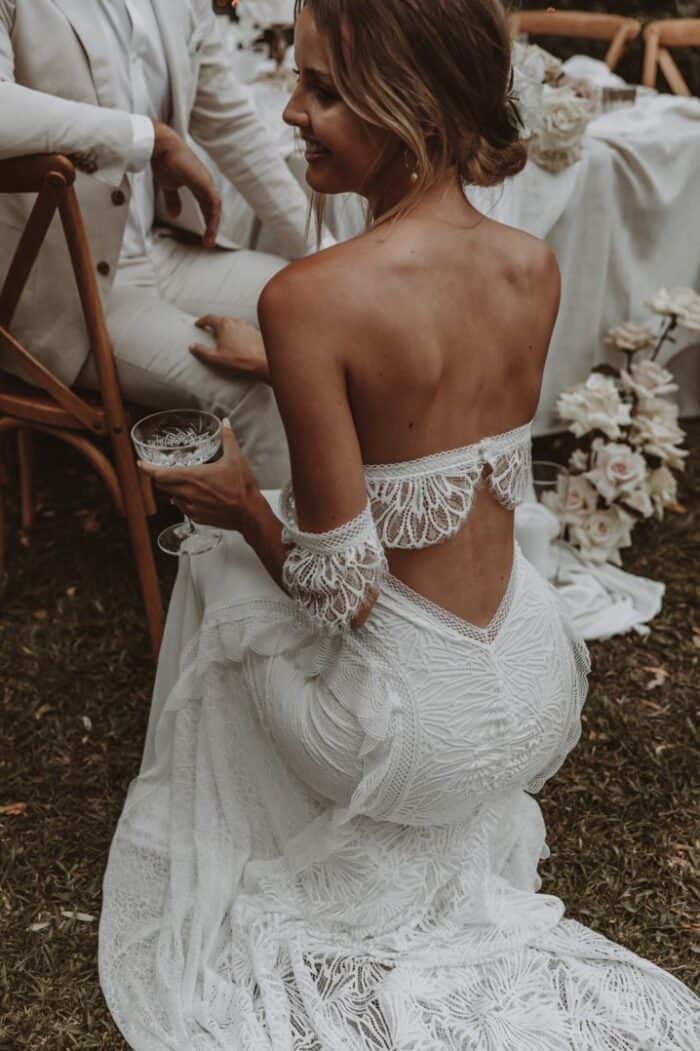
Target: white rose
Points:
(563, 119)
(640, 500)
(617, 469)
(658, 407)
(648, 379)
(630, 337)
(681, 303)
(573, 499)
(578, 461)
(594, 405)
(600, 535)
(556, 143)
(659, 438)
(663, 489)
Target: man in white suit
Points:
(120, 85)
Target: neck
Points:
(445, 200)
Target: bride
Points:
(333, 842)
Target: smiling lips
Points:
(314, 150)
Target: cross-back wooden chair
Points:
(618, 29)
(48, 405)
(658, 38)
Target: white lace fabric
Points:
(244, 909)
(332, 845)
(332, 575)
(426, 501)
(412, 504)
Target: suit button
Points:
(118, 197)
(103, 268)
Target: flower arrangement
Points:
(556, 114)
(629, 441)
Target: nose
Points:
(294, 112)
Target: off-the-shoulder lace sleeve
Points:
(331, 575)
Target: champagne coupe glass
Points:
(550, 477)
(180, 438)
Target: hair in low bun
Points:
(435, 74)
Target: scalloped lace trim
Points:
(418, 503)
(332, 575)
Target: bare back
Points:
(449, 335)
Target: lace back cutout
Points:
(417, 503)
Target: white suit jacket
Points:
(56, 95)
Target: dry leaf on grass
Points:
(658, 677)
(14, 809)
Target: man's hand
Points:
(239, 347)
(174, 166)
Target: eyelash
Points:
(321, 94)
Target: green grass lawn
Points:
(76, 674)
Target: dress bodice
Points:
(411, 504)
(417, 503)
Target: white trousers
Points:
(151, 313)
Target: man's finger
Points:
(200, 351)
(210, 205)
(172, 202)
(209, 322)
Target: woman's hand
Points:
(224, 493)
(239, 347)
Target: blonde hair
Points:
(435, 74)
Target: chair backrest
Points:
(51, 177)
(618, 29)
(658, 38)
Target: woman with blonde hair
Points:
(333, 842)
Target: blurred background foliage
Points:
(630, 67)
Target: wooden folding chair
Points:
(658, 38)
(48, 405)
(618, 29)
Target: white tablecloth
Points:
(623, 221)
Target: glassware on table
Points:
(548, 477)
(180, 438)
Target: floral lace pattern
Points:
(421, 502)
(243, 909)
(412, 504)
(331, 575)
(332, 845)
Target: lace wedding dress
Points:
(333, 843)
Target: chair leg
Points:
(149, 500)
(135, 511)
(2, 533)
(26, 479)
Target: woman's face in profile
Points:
(341, 150)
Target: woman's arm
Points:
(306, 343)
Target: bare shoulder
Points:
(532, 264)
(323, 296)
